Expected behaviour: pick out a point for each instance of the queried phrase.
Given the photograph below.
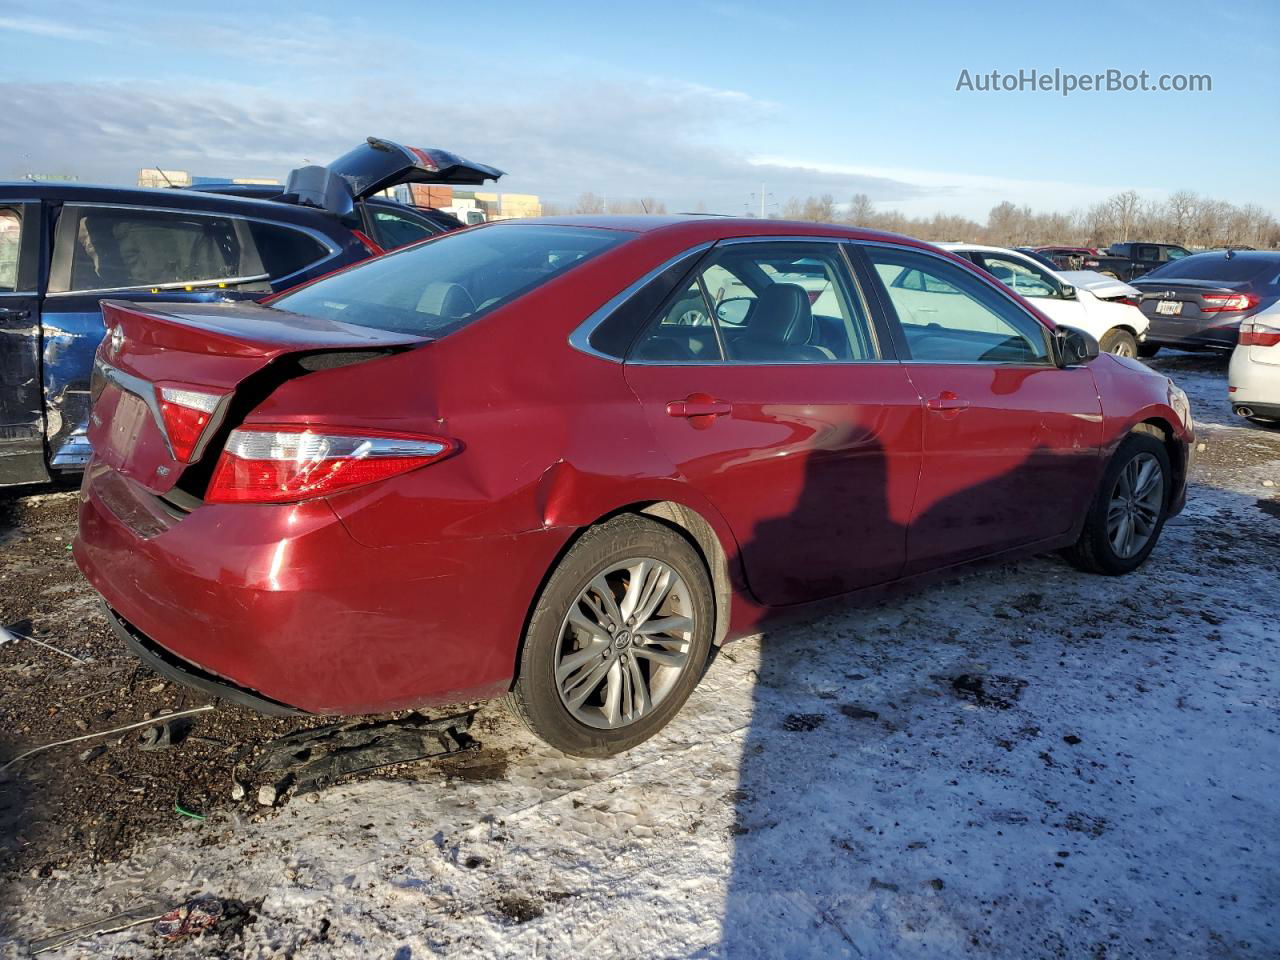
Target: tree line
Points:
(1185, 217)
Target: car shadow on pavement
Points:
(879, 817)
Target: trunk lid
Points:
(378, 164)
(229, 354)
(1190, 296)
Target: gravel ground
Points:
(1026, 761)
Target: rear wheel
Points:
(618, 639)
(1128, 513)
(1148, 350)
(1120, 342)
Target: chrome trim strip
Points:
(142, 389)
(194, 285)
(786, 238)
(580, 338)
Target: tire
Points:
(1148, 350)
(612, 553)
(1095, 551)
(1120, 342)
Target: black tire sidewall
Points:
(1111, 337)
(1096, 526)
(536, 699)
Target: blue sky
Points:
(701, 100)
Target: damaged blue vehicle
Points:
(66, 246)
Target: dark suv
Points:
(66, 246)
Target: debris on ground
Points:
(310, 760)
(192, 918)
(134, 917)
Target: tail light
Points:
(1224, 302)
(186, 413)
(1259, 335)
(280, 464)
(1127, 301)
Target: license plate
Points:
(1169, 308)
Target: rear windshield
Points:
(1261, 270)
(439, 286)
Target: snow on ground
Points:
(1027, 761)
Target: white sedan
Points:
(1253, 380)
(1101, 306)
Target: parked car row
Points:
(66, 246)
(561, 460)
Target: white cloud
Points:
(968, 194)
(54, 29)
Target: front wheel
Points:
(618, 640)
(1120, 342)
(1128, 513)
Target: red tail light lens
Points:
(1127, 301)
(1259, 335)
(281, 464)
(1224, 302)
(186, 413)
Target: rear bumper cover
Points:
(281, 603)
(174, 668)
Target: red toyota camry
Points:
(559, 460)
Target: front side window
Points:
(783, 302)
(1025, 278)
(948, 315)
(115, 248)
(1176, 253)
(10, 246)
(440, 286)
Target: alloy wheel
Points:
(1136, 502)
(624, 643)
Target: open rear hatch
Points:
(169, 378)
(377, 165)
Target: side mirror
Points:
(1073, 347)
(734, 310)
(1068, 292)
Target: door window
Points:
(10, 245)
(784, 302)
(948, 315)
(119, 248)
(1026, 278)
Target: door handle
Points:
(14, 313)
(947, 400)
(699, 405)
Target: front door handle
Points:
(947, 400)
(699, 405)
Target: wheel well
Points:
(694, 527)
(1160, 429)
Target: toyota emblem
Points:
(115, 340)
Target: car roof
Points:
(167, 197)
(701, 227)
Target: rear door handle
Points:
(699, 405)
(947, 400)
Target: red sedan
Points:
(559, 460)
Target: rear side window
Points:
(119, 248)
(442, 285)
(284, 251)
(10, 245)
(392, 229)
